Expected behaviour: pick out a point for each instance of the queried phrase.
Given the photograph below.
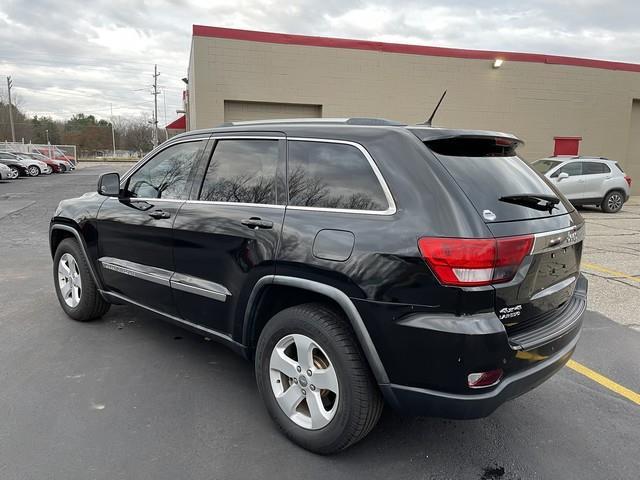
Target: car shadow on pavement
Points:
(210, 369)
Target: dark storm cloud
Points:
(70, 56)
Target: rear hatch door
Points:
(513, 199)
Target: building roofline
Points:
(305, 40)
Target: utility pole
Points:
(164, 101)
(113, 134)
(13, 130)
(155, 105)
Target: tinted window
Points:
(485, 180)
(242, 171)
(332, 175)
(165, 175)
(593, 168)
(572, 169)
(618, 167)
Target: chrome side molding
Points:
(167, 278)
(144, 272)
(198, 286)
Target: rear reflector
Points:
(628, 179)
(474, 261)
(484, 379)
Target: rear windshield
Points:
(486, 179)
(543, 166)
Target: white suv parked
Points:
(588, 180)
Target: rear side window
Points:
(618, 167)
(594, 168)
(332, 175)
(242, 171)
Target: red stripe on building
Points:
(283, 38)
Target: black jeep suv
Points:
(355, 262)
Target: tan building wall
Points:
(536, 101)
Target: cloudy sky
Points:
(70, 56)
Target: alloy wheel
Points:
(14, 174)
(69, 280)
(34, 171)
(304, 381)
(614, 202)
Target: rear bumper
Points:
(421, 401)
(428, 358)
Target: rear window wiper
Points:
(537, 201)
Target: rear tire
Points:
(77, 292)
(612, 202)
(345, 415)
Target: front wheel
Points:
(33, 171)
(15, 173)
(77, 292)
(612, 202)
(314, 379)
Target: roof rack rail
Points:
(364, 121)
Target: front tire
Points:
(15, 173)
(33, 171)
(612, 202)
(77, 292)
(314, 380)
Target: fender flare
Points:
(83, 247)
(345, 303)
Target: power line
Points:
(155, 94)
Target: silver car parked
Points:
(588, 180)
(5, 172)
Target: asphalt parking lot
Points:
(131, 397)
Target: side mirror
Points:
(563, 175)
(109, 184)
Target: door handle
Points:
(256, 222)
(158, 214)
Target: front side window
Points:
(242, 171)
(165, 175)
(332, 175)
(573, 169)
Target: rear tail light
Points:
(628, 179)
(484, 379)
(474, 261)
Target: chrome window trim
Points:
(148, 199)
(239, 204)
(160, 148)
(556, 239)
(235, 136)
(391, 205)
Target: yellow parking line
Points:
(599, 268)
(604, 381)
